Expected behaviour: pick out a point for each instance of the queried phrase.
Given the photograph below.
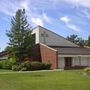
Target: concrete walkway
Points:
(12, 72)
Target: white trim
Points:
(3, 58)
(73, 55)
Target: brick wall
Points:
(48, 55)
(36, 53)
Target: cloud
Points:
(37, 21)
(32, 9)
(46, 18)
(24, 4)
(68, 23)
(8, 8)
(65, 19)
(86, 14)
(77, 3)
(73, 27)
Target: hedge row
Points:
(24, 66)
(7, 64)
(29, 66)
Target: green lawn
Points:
(48, 80)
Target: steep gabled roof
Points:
(56, 39)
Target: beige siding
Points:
(81, 61)
(75, 61)
(84, 61)
(61, 63)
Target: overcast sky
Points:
(64, 17)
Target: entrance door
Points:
(68, 61)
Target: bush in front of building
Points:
(87, 71)
(0, 64)
(15, 68)
(46, 66)
(36, 66)
(7, 64)
(31, 66)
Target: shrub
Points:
(25, 64)
(15, 68)
(87, 70)
(28, 66)
(40, 66)
(36, 66)
(46, 66)
(0, 64)
(7, 64)
(23, 69)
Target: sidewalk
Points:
(12, 72)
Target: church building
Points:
(55, 49)
(58, 51)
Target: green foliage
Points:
(40, 66)
(26, 64)
(73, 38)
(0, 64)
(36, 66)
(77, 40)
(9, 49)
(23, 69)
(15, 68)
(29, 66)
(7, 64)
(87, 70)
(21, 40)
(88, 41)
(46, 66)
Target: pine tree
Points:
(88, 41)
(20, 38)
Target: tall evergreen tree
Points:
(88, 41)
(20, 38)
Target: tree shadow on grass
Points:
(37, 75)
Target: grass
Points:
(4, 70)
(55, 80)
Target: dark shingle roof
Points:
(3, 53)
(72, 50)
